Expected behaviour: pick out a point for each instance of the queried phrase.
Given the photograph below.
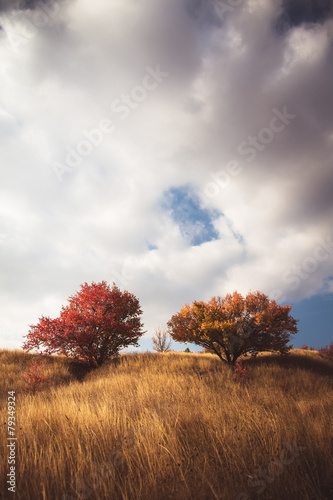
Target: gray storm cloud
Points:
(24, 4)
(242, 114)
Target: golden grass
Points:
(172, 426)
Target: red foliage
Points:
(327, 350)
(240, 373)
(97, 323)
(34, 377)
(306, 347)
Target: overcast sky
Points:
(180, 148)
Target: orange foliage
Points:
(235, 325)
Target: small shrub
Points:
(34, 376)
(161, 340)
(240, 373)
(187, 350)
(327, 350)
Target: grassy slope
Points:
(172, 426)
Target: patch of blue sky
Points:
(234, 232)
(151, 246)
(195, 222)
(315, 317)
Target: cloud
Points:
(297, 12)
(228, 79)
(25, 4)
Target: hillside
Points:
(172, 426)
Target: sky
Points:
(179, 148)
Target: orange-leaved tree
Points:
(93, 327)
(235, 325)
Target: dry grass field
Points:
(172, 426)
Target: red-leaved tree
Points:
(93, 327)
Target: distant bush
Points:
(327, 350)
(187, 350)
(306, 347)
(208, 351)
(34, 377)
